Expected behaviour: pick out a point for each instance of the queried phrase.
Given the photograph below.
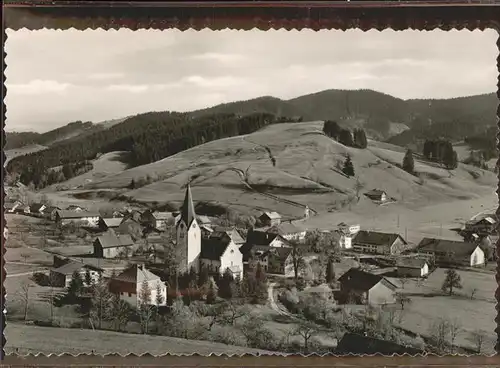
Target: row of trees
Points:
(441, 151)
(357, 138)
(40, 177)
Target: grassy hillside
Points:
(232, 171)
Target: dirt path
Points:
(273, 304)
(24, 273)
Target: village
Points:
(346, 289)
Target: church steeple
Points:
(187, 211)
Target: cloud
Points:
(105, 76)
(218, 82)
(37, 86)
(220, 57)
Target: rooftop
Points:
(376, 238)
(446, 246)
(361, 280)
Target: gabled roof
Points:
(284, 229)
(72, 266)
(258, 237)
(11, 205)
(66, 214)
(111, 240)
(454, 247)
(214, 248)
(137, 274)
(360, 280)
(376, 238)
(358, 344)
(162, 215)
(411, 263)
(232, 234)
(112, 221)
(35, 207)
(375, 192)
(488, 219)
(271, 215)
(50, 209)
(188, 213)
(203, 220)
(73, 207)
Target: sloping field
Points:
(35, 339)
(10, 154)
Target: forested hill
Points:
(148, 137)
(21, 139)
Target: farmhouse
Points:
(220, 252)
(84, 218)
(346, 233)
(272, 259)
(362, 287)
(270, 219)
(50, 212)
(259, 237)
(11, 207)
(74, 207)
(110, 245)
(451, 252)
(352, 343)
(129, 284)
(412, 267)
(287, 231)
(61, 276)
(378, 243)
(109, 223)
(482, 227)
(377, 195)
(157, 220)
(36, 208)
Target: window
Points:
(129, 295)
(232, 250)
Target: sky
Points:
(54, 77)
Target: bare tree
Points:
(101, 298)
(455, 327)
(307, 331)
(298, 260)
(24, 294)
(24, 256)
(478, 337)
(403, 281)
(473, 292)
(358, 187)
(403, 300)
(119, 312)
(439, 330)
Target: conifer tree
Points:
(348, 168)
(409, 162)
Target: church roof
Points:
(187, 211)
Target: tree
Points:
(212, 291)
(478, 337)
(298, 261)
(306, 330)
(119, 312)
(159, 295)
(226, 285)
(24, 294)
(408, 162)
(75, 287)
(427, 149)
(348, 168)
(452, 281)
(439, 332)
(455, 327)
(360, 139)
(358, 187)
(254, 285)
(100, 301)
(88, 278)
(403, 300)
(330, 273)
(331, 129)
(345, 138)
(145, 309)
(256, 334)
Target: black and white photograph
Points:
(250, 192)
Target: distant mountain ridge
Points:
(374, 111)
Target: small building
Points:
(273, 260)
(62, 275)
(377, 195)
(364, 345)
(111, 245)
(203, 220)
(50, 212)
(82, 218)
(133, 215)
(221, 251)
(36, 209)
(485, 226)
(287, 231)
(270, 219)
(346, 233)
(360, 287)
(451, 252)
(74, 207)
(260, 237)
(109, 223)
(11, 207)
(157, 220)
(374, 242)
(412, 267)
(117, 214)
(130, 285)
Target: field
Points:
(428, 304)
(34, 339)
(10, 154)
(306, 172)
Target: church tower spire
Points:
(187, 211)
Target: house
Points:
(346, 233)
(412, 267)
(50, 212)
(74, 207)
(287, 231)
(377, 195)
(221, 251)
(360, 287)
(111, 245)
(11, 207)
(157, 220)
(260, 237)
(349, 229)
(117, 214)
(82, 218)
(109, 223)
(451, 252)
(62, 275)
(130, 285)
(273, 260)
(203, 220)
(352, 343)
(485, 226)
(375, 242)
(133, 215)
(129, 226)
(36, 208)
(270, 219)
